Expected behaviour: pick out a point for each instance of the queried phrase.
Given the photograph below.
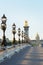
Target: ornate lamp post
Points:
(22, 36)
(3, 27)
(19, 34)
(14, 31)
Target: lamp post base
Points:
(4, 41)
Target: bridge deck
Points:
(27, 56)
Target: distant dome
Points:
(37, 37)
(25, 23)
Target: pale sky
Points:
(17, 11)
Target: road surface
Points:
(27, 56)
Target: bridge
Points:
(22, 55)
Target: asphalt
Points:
(27, 56)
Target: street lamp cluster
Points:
(3, 27)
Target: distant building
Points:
(37, 40)
(37, 37)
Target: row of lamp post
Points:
(14, 31)
(3, 27)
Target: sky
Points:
(17, 11)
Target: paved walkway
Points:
(27, 56)
(33, 57)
